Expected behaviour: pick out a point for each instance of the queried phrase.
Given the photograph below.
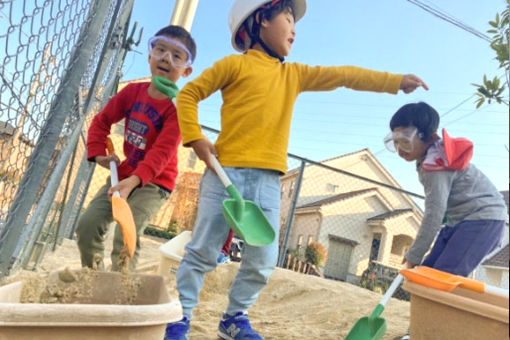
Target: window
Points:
(291, 189)
(331, 187)
(310, 239)
(374, 250)
(299, 241)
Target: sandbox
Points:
(99, 305)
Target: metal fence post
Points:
(283, 248)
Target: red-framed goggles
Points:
(161, 47)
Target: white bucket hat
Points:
(242, 9)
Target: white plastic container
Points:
(171, 254)
(95, 317)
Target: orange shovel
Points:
(121, 211)
(437, 279)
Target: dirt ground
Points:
(292, 306)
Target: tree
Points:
(493, 90)
(316, 254)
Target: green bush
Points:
(316, 254)
(169, 233)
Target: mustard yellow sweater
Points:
(258, 98)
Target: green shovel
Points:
(373, 327)
(244, 217)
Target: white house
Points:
(356, 220)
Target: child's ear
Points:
(187, 71)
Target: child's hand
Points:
(125, 186)
(407, 264)
(204, 148)
(104, 161)
(410, 82)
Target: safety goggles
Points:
(401, 140)
(161, 46)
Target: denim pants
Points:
(460, 249)
(211, 230)
(94, 222)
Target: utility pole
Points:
(184, 13)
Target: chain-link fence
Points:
(59, 63)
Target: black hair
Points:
(279, 7)
(420, 115)
(184, 36)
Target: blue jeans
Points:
(211, 231)
(459, 250)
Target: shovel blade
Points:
(124, 217)
(367, 329)
(253, 226)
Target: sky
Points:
(395, 36)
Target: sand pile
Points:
(296, 306)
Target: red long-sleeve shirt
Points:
(151, 135)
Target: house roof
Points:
(296, 170)
(343, 240)
(389, 214)
(336, 198)
(500, 259)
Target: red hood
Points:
(448, 154)
(458, 151)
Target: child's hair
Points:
(420, 115)
(180, 33)
(267, 12)
(281, 6)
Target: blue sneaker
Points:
(177, 330)
(223, 258)
(237, 327)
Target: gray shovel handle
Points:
(220, 172)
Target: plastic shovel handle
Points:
(220, 172)
(393, 287)
(114, 176)
(457, 280)
(477, 286)
(389, 293)
(496, 290)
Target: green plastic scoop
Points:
(244, 217)
(165, 86)
(373, 327)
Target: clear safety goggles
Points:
(401, 140)
(161, 46)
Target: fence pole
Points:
(283, 248)
(40, 158)
(86, 168)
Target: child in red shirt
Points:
(151, 139)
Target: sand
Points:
(292, 306)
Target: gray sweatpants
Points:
(93, 223)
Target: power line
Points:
(443, 16)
